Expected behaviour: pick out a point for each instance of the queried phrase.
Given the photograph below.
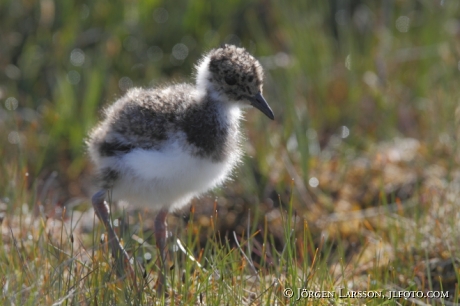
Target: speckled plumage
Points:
(161, 147)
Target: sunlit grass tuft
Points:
(353, 186)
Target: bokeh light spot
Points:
(160, 15)
(371, 79)
(13, 137)
(180, 51)
(12, 72)
(348, 62)
(313, 182)
(125, 83)
(345, 132)
(292, 143)
(402, 24)
(282, 59)
(11, 103)
(77, 57)
(73, 77)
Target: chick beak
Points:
(259, 102)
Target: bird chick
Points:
(161, 147)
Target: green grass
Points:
(354, 185)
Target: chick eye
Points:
(230, 80)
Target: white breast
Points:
(169, 177)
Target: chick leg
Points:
(160, 238)
(118, 252)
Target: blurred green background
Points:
(364, 142)
(356, 71)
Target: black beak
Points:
(259, 102)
